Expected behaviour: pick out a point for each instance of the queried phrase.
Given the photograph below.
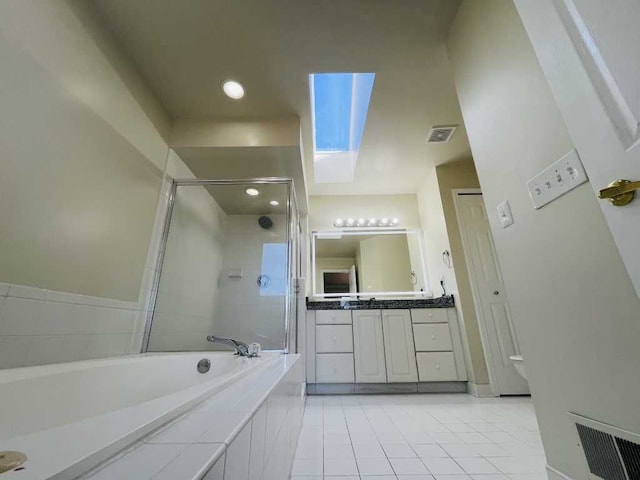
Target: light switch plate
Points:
(556, 180)
(504, 214)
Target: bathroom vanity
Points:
(384, 346)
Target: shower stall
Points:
(227, 266)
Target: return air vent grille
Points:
(611, 453)
(441, 134)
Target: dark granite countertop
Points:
(438, 302)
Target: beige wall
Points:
(82, 159)
(384, 264)
(574, 309)
(441, 233)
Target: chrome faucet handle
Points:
(240, 347)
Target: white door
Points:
(368, 347)
(399, 350)
(589, 51)
(492, 309)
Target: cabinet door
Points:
(334, 339)
(368, 347)
(399, 350)
(437, 366)
(334, 368)
(432, 337)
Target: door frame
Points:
(482, 321)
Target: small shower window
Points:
(273, 278)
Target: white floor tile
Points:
(408, 466)
(494, 476)
(368, 450)
(430, 451)
(374, 466)
(445, 466)
(519, 464)
(418, 437)
(398, 450)
(415, 477)
(307, 466)
(453, 477)
(460, 450)
(476, 465)
(340, 466)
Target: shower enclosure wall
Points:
(227, 266)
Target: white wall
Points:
(246, 311)
(574, 308)
(83, 149)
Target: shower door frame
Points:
(290, 236)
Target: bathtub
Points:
(68, 418)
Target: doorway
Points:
(489, 297)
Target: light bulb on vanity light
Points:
(350, 222)
(384, 221)
(395, 221)
(361, 222)
(338, 222)
(372, 221)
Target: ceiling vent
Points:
(441, 134)
(611, 453)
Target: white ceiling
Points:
(185, 49)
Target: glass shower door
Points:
(226, 265)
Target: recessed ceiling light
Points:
(252, 191)
(233, 89)
(275, 203)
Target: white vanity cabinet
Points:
(438, 345)
(400, 354)
(384, 346)
(368, 347)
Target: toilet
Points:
(518, 362)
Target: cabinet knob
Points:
(334, 338)
(333, 315)
(433, 337)
(438, 366)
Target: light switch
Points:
(556, 180)
(504, 214)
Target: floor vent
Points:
(612, 453)
(441, 134)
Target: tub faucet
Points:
(241, 348)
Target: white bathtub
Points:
(67, 418)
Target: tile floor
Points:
(419, 437)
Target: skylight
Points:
(339, 103)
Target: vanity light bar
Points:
(363, 222)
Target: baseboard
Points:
(385, 388)
(554, 474)
(480, 390)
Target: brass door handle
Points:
(620, 192)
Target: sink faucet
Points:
(241, 348)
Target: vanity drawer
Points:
(333, 317)
(429, 315)
(335, 368)
(432, 337)
(334, 338)
(436, 366)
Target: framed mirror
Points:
(368, 263)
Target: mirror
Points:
(368, 263)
